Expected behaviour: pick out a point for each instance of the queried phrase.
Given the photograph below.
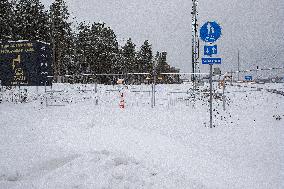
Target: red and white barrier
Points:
(121, 103)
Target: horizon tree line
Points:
(90, 48)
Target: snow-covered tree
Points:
(145, 59)
(62, 39)
(104, 46)
(129, 59)
(83, 47)
(31, 21)
(96, 48)
(6, 20)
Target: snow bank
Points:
(87, 145)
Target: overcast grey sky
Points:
(255, 27)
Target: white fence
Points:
(105, 95)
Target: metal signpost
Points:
(210, 32)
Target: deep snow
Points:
(87, 145)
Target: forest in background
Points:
(88, 48)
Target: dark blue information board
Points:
(26, 63)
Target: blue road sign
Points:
(210, 50)
(211, 60)
(248, 78)
(210, 32)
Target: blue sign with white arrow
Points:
(210, 32)
(211, 60)
(248, 78)
(210, 50)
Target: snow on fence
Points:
(174, 95)
(106, 95)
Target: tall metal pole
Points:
(154, 90)
(96, 91)
(211, 96)
(231, 77)
(195, 41)
(223, 96)
(256, 77)
(238, 65)
(154, 72)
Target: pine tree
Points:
(162, 66)
(129, 60)
(117, 65)
(83, 47)
(62, 39)
(6, 20)
(104, 46)
(129, 54)
(31, 21)
(97, 49)
(144, 60)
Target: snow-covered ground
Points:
(76, 136)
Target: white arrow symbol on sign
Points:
(207, 50)
(213, 49)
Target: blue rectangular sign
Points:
(210, 50)
(248, 78)
(211, 60)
